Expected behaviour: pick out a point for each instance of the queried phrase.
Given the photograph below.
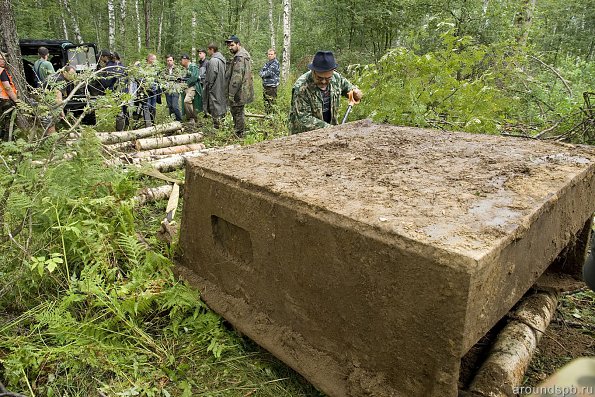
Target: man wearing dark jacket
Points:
(215, 102)
(270, 74)
(240, 86)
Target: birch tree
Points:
(286, 39)
(271, 24)
(122, 24)
(75, 25)
(160, 29)
(138, 41)
(111, 24)
(193, 24)
(524, 19)
(63, 19)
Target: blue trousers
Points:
(173, 104)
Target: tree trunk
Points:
(168, 151)
(160, 31)
(166, 141)
(193, 24)
(137, 25)
(523, 20)
(286, 39)
(511, 353)
(147, 12)
(9, 41)
(111, 25)
(64, 27)
(75, 25)
(123, 136)
(271, 24)
(152, 194)
(177, 161)
(122, 27)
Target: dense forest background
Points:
(359, 31)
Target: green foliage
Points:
(90, 302)
(473, 87)
(450, 87)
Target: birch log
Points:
(151, 194)
(120, 147)
(179, 160)
(123, 136)
(167, 151)
(175, 140)
(511, 353)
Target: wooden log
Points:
(169, 150)
(123, 136)
(177, 161)
(174, 140)
(120, 147)
(510, 355)
(152, 194)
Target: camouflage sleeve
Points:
(302, 114)
(236, 79)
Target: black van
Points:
(61, 53)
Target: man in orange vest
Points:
(8, 98)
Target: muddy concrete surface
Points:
(371, 258)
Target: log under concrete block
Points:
(369, 257)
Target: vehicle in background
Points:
(83, 57)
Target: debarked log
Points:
(511, 354)
(151, 194)
(174, 140)
(123, 136)
(166, 151)
(177, 161)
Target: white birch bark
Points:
(193, 24)
(138, 38)
(124, 136)
(75, 25)
(524, 20)
(64, 27)
(166, 141)
(286, 39)
(168, 151)
(122, 25)
(111, 25)
(271, 24)
(160, 31)
(511, 353)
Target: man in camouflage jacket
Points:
(315, 95)
(240, 84)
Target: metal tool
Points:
(351, 103)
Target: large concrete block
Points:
(370, 258)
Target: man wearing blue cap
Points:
(315, 95)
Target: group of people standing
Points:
(213, 86)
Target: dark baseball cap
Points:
(233, 38)
(185, 56)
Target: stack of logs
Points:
(141, 148)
